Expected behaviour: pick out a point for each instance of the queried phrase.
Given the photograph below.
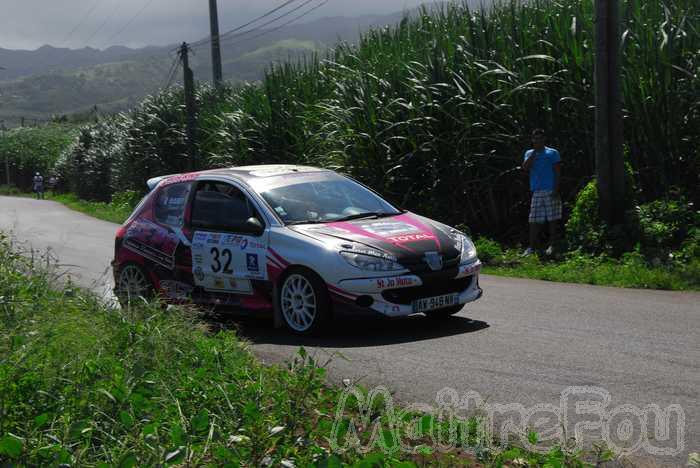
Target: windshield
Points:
(324, 201)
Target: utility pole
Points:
(610, 165)
(191, 130)
(215, 43)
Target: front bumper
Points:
(393, 296)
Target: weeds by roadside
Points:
(632, 270)
(84, 384)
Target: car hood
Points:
(406, 237)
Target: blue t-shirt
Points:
(542, 170)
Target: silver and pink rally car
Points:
(302, 242)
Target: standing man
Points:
(38, 185)
(544, 165)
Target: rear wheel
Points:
(303, 301)
(442, 314)
(132, 284)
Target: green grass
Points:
(84, 384)
(630, 271)
(115, 213)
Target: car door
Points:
(229, 244)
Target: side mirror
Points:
(254, 226)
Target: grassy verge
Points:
(83, 384)
(630, 271)
(113, 212)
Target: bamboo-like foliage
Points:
(436, 111)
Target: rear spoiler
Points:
(153, 183)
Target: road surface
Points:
(524, 342)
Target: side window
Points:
(170, 204)
(221, 206)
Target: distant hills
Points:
(58, 81)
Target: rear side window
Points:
(170, 204)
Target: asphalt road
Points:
(524, 342)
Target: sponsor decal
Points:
(252, 261)
(389, 228)
(179, 178)
(411, 238)
(244, 244)
(219, 283)
(397, 282)
(152, 242)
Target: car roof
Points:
(246, 174)
(250, 173)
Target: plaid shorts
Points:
(544, 207)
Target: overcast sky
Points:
(28, 24)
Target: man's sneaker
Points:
(550, 251)
(529, 251)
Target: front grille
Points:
(433, 285)
(418, 266)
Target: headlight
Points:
(464, 245)
(370, 262)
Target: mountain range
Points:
(50, 81)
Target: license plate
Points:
(437, 302)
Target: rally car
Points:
(302, 242)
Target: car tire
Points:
(303, 302)
(442, 314)
(132, 284)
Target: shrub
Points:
(666, 225)
(488, 249)
(584, 228)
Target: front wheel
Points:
(442, 314)
(304, 303)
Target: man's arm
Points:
(557, 177)
(529, 160)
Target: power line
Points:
(104, 23)
(296, 18)
(238, 28)
(133, 18)
(80, 23)
(171, 74)
(274, 20)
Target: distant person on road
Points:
(544, 166)
(53, 182)
(38, 186)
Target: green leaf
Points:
(126, 419)
(128, 460)
(532, 437)
(41, 420)
(177, 435)
(331, 462)
(11, 446)
(200, 423)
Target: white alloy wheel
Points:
(299, 303)
(132, 283)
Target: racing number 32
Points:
(224, 254)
